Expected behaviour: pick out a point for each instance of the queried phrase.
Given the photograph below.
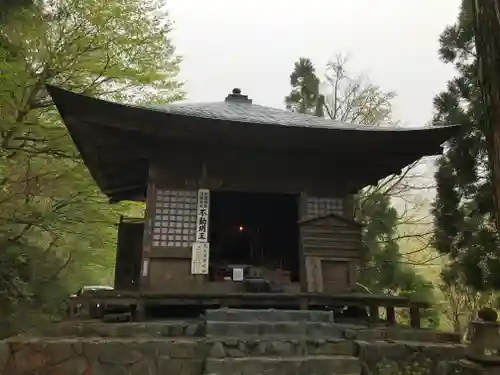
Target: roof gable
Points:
(340, 218)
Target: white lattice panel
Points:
(317, 207)
(174, 221)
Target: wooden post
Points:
(487, 39)
(391, 315)
(304, 305)
(415, 316)
(302, 205)
(72, 306)
(374, 313)
(139, 314)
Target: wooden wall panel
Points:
(172, 230)
(313, 274)
(331, 236)
(170, 275)
(336, 276)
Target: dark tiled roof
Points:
(239, 108)
(251, 113)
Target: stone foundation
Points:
(412, 358)
(101, 356)
(96, 328)
(263, 343)
(199, 356)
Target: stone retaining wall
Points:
(409, 358)
(96, 328)
(186, 356)
(100, 356)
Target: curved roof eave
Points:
(233, 112)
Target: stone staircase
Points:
(277, 342)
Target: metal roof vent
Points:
(236, 97)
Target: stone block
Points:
(76, 365)
(107, 369)
(318, 365)
(260, 328)
(242, 329)
(278, 347)
(318, 329)
(330, 347)
(169, 366)
(270, 315)
(118, 353)
(189, 328)
(180, 349)
(408, 357)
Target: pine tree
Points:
(464, 210)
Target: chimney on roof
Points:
(236, 97)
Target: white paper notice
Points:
(145, 267)
(200, 258)
(237, 274)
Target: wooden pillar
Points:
(72, 308)
(302, 259)
(391, 315)
(148, 231)
(374, 313)
(139, 312)
(415, 317)
(304, 304)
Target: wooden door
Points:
(336, 276)
(129, 255)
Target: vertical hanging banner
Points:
(201, 248)
(202, 219)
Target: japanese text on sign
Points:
(200, 258)
(202, 215)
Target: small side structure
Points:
(245, 205)
(332, 249)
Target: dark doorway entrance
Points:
(129, 254)
(255, 228)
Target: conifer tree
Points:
(464, 211)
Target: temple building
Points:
(240, 198)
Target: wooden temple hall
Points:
(242, 201)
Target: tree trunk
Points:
(487, 37)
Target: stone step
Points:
(270, 315)
(242, 329)
(279, 347)
(310, 365)
(148, 329)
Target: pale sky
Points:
(254, 44)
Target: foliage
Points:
(357, 101)
(464, 210)
(461, 302)
(56, 230)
